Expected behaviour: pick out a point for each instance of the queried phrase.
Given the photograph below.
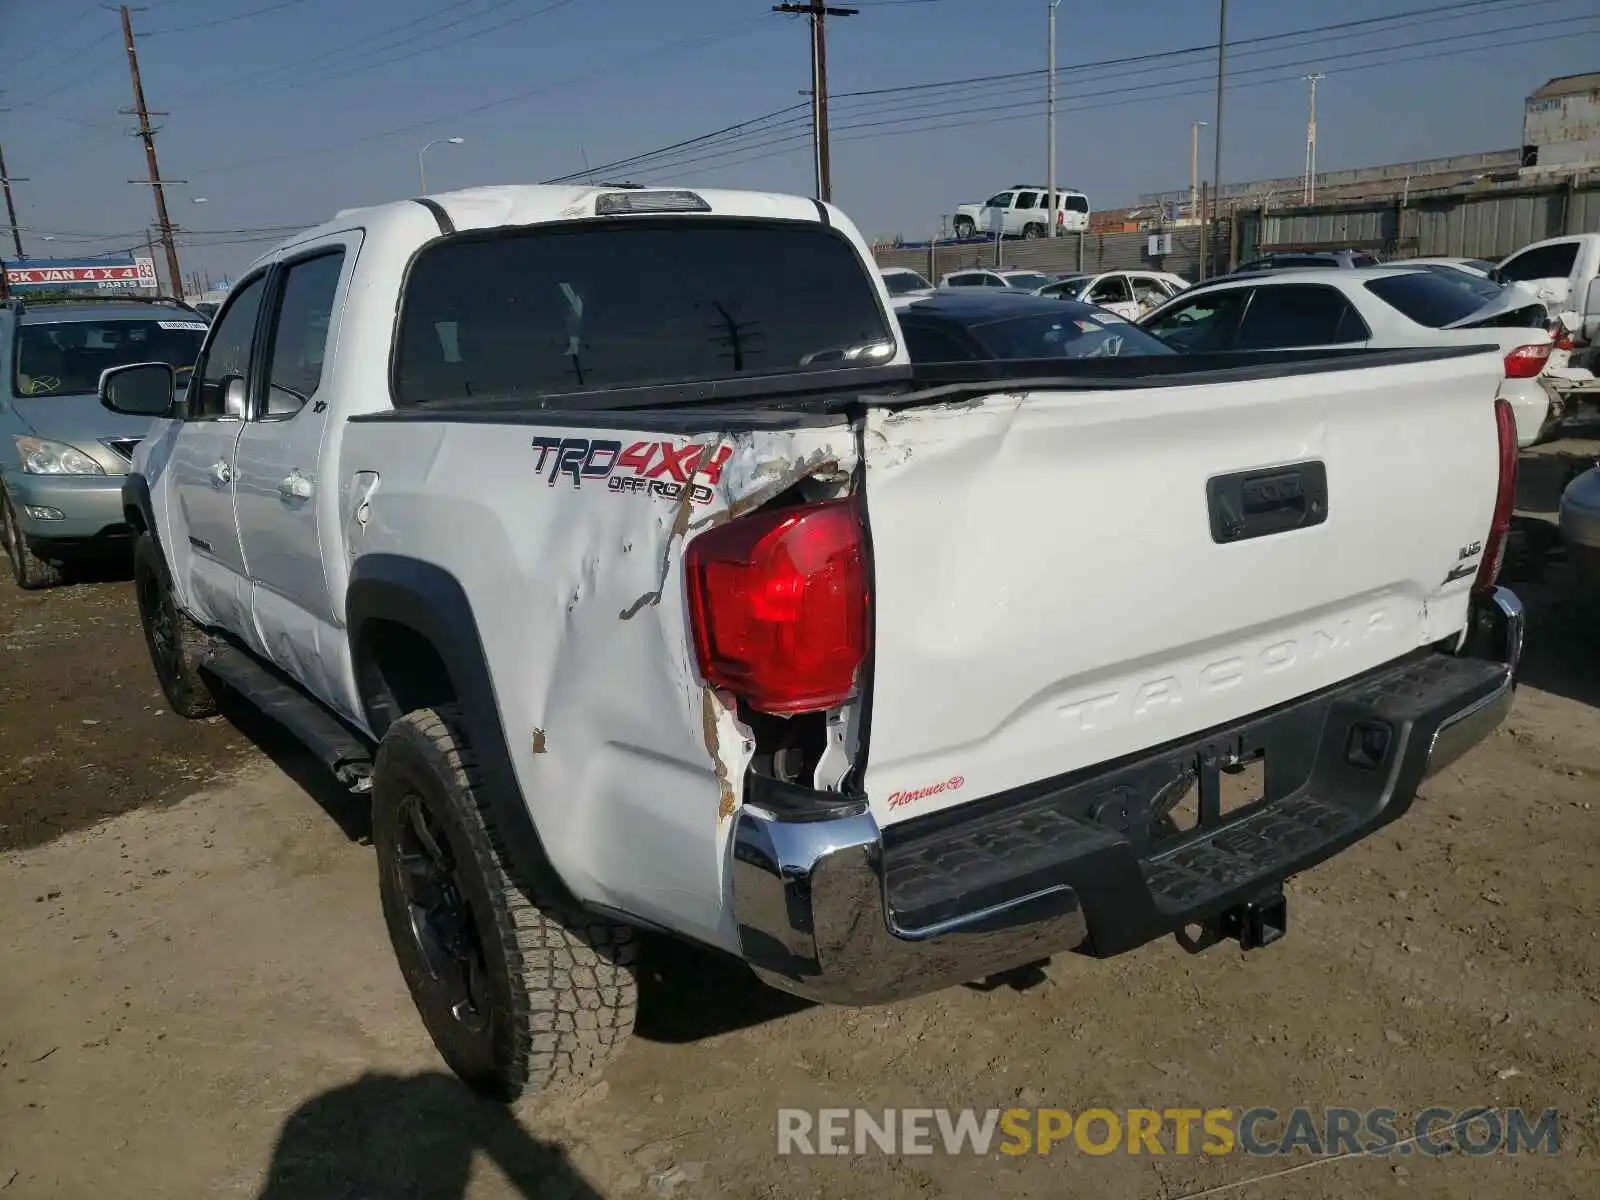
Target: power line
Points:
(257, 161)
(1340, 29)
(307, 69)
(793, 142)
(1392, 21)
(362, 69)
(244, 16)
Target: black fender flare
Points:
(136, 499)
(431, 603)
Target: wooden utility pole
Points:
(819, 11)
(11, 208)
(148, 136)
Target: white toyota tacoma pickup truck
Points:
(608, 537)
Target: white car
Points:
(904, 282)
(996, 277)
(1129, 294)
(1480, 268)
(1373, 307)
(1022, 211)
(881, 677)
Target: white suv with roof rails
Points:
(1023, 211)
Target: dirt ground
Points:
(197, 997)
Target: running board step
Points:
(334, 743)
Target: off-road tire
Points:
(29, 570)
(969, 226)
(557, 985)
(176, 644)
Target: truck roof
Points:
(497, 205)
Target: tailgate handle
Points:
(1252, 504)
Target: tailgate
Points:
(1050, 592)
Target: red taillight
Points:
(1525, 362)
(1505, 499)
(1562, 338)
(778, 606)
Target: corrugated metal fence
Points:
(1484, 222)
(1088, 252)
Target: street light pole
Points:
(422, 169)
(1216, 130)
(1050, 124)
(1194, 168)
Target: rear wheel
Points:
(517, 992)
(964, 227)
(177, 645)
(1034, 231)
(29, 570)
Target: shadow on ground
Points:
(350, 811)
(413, 1137)
(687, 994)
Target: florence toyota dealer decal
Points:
(653, 468)
(900, 799)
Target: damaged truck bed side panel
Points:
(569, 541)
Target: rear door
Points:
(209, 559)
(1049, 593)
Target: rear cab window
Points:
(555, 309)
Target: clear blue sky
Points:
(281, 110)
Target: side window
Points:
(1542, 262)
(1205, 323)
(300, 332)
(1298, 315)
(1002, 200)
(1077, 204)
(926, 345)
(993, 281)
(1113, 289)
(1027, 199)
(968, 280)
(227, 360)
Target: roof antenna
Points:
(586, 168)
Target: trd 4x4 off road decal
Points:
(652, 468)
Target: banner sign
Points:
(80, 274)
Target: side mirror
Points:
(139, 389)
(1591, 312)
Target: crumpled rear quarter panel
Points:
(630, 766)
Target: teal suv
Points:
(63, 456)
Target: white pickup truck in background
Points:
(608, 536)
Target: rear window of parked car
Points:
(531, 312)
(1429, 300)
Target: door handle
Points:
(220, 474)
(295, 486)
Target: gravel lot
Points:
(197, 997)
